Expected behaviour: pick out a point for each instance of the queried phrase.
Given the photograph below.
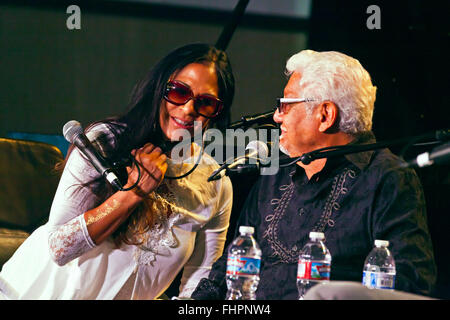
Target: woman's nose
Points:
(189, 109)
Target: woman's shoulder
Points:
(104, 135)
(110, 129)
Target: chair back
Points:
(28, 182)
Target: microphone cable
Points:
(193, 168)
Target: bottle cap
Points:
(317, 235)
(382, 243)
(246, 229)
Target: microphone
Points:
(255, 150)
(73, 132)
(439, 154)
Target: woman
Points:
(106, 244)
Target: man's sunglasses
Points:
(179, 93)
(283, 103)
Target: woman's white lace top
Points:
(60, 260)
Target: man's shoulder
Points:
(384, 158)
(386, 164)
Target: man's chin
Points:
(284, 150)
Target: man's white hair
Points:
(339, 78)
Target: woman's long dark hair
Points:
(140, 124)
(142, 119)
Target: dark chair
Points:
(28, 184)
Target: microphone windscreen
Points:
(71, 130)
(260, 147)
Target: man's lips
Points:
(283, 131)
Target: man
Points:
(353, 199)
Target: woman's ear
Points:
(329, 113)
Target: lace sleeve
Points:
(68, 237)
(67, 232)
(69, 241)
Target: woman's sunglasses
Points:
(179, 93)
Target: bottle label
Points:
(243, 266)
(313, 270)
(378, 280)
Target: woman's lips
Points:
(182, 123)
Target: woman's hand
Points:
(103, 220)
(153, 165)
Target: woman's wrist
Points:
(136, 193)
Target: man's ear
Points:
(328, 113)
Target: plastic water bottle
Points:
(243, 265)
(314, 264)
(379, 267)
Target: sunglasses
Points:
(179, 93)
(283, 103)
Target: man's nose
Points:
(277, 116)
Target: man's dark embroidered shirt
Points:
(354, 200)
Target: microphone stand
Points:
(241, 168)
(328, 152)
(247, 121)
(340, 150)
(335, 151)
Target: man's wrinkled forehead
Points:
(292, 88)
